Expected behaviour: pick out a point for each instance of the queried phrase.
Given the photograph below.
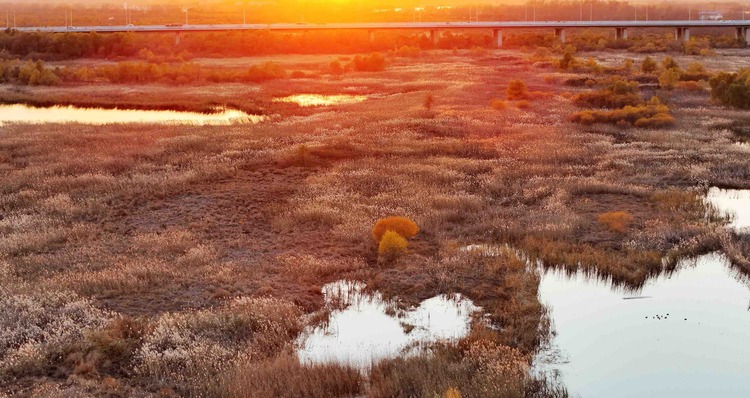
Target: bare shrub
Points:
(374, 62)
(117, 343)
(568, 59)
(498, 104)
(37, 329)
(188, 350)
(649, 65)
(516, 90)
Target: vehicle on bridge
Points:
(174, 25)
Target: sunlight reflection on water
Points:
(96, 116)
(734, 203)
(306, 100)
(367, 328)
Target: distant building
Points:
(710, 15)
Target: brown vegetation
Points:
(139, 260)
(285, 377)
(732, 88)
(618, 94)
(650, 115)
(498, 104)
(617, 221)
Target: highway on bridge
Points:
(392, 26)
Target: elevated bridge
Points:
(681, 28)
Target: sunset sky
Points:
(374, 3)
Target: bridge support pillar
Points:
(682, 34)
(621, 33)
(434, 35)
(497, 37)
(177, 39)
(371, 35)
(560, 34)
(743, 34)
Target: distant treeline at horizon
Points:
(161, 47)
(162, 12)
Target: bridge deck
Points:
(392, 26)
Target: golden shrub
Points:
(617, 221)
(653, 114)
(452, 393)
(498, 104)
(402, 226)
(669, 78)
(660, 120)
(516, 90)
(392, 243)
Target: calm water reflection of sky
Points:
(686, 334)
(69, 114)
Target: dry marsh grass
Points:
(187, 230)
(284, 377)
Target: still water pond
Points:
(364, 328)
(684, 334)
(96, 116)
(734, 203)
(322, 100)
